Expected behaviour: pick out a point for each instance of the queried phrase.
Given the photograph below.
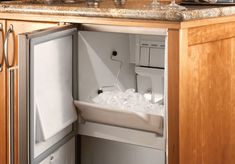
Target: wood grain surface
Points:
(3, 112)
(207, 97)
(173, 96)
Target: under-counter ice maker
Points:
(64, 68)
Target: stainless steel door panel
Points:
(26, 88)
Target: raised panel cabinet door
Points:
(3, 116)
(207, 109)
(13, 28)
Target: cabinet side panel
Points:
(210, 33)
(207, 106)
(173, 97)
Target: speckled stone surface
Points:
(109, 10)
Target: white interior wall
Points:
(96, 69)
(93, 61)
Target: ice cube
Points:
(128, 100)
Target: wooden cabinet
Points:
(5, 129)
(201, 89)
(207, 95)
(3, 111)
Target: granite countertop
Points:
(132, 10)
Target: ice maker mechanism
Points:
(116, 85)
(150, 82)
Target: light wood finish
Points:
(91, 20)
(207, 97)
(3, 112)
(206, 22)
(20, 27)
(173, 97)
(209, 33)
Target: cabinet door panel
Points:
(3, 116)
(207, 111)
(18, 27)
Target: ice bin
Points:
(118, 117)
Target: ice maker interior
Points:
(115, 87)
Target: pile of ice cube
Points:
(128, 100)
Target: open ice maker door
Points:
(47, 60)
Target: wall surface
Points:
(97, 70)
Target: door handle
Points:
(1, 51)
(9, 31)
